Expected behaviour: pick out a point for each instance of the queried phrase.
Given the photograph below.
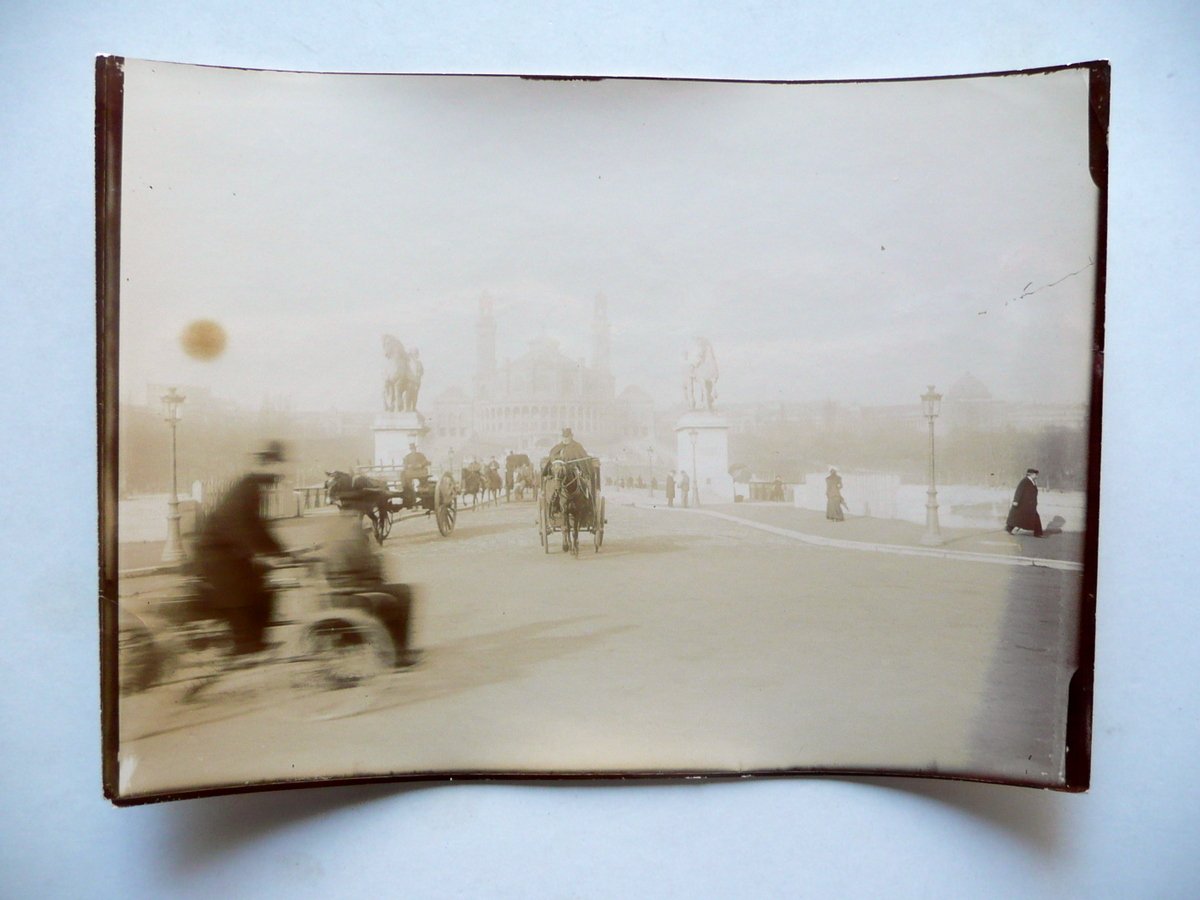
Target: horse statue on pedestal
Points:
(397, 375)
(412, 387)
(700, 375)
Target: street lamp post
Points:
(931, 403)
(694, 435)
(173, 551)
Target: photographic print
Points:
(524, 427)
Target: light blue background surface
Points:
(1136, 834)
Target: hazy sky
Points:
(853, 241)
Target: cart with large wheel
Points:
(570, 501)
(383, 496)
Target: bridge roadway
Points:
(687, 642)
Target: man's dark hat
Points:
(567, 433)
(1031, 471)
(272, 452)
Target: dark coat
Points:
(833, 497)
(670, 487)
(234, 534)
(1023, 513)
(568, 450)
(416, 465)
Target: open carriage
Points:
(520, 477)
(383, 496)
(570, 501)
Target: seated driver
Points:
(568, 450)
(416, 470)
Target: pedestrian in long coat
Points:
(833, 496)
(670, 489)
(1024, 513)
(684, 484)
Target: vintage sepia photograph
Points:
(518, 427)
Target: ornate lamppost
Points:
(694, 435)
(931, 404)
(173, 551)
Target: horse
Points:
(360, 492)
(412, 384)
(397, 375)
(474, 485)
(575, 499)
(494, 484)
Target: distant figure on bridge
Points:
(670, 489)
(510, 468)
(777, 490)
(684, 484)
(833, 496)
(1024, 512)
(234, 536)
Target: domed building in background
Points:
(968, 404)
(523, 404)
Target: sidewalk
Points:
(1061, 551)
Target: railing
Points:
(310, 496)
(768, 491)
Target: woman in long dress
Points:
(833, 496)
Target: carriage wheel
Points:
(543, 525)
(385, 524)
(445, 505)
(141, 661)
(341, 649)
(598, 526)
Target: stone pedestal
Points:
(394, 431)
(702, 450)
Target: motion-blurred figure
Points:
(233, 539)
(355, 573)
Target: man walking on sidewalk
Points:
(1024, 513)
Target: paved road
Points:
(687, 642)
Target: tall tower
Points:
(600, 334)
(602, 377)
(485, 347)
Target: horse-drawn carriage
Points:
(570, 501)
(384, 495)
(520, 477)
(482, 484)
